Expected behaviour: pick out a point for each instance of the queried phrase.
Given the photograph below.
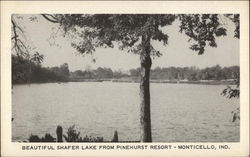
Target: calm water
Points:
(179, 112)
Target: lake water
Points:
(179, 112)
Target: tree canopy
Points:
(102, 30)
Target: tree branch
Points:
(14, 30)
(50, 18)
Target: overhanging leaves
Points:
(201, 29)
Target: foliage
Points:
(236, 114)
(91, 139)
(201, 29)
(103, 73)
(235, 18)
(61, 72)
(170, 73)
(46, 138)
(135, 72)
(231, 92)
(119, 74)
(24, 71)
(71, 136)
(74, 136)
(91, 31)
(99, 73)
(101, 30)
(30, 71)
(20, 46)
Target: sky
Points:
(46, 38)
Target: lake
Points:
(179, 112)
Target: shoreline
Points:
(199, 82)
(203, 82)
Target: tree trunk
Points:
(146, 62)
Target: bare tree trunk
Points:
(145, 119)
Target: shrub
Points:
(74, 136)
(46, 138)
(34, 138)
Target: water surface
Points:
(179, 112)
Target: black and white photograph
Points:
(125, 78)
(148, 81)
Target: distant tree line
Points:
(99, 73)
(194, 73)
(28, 71)
(170, 73)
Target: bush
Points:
(34, 138)
(74, 136)
(46, 138)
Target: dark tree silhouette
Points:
(22, 50)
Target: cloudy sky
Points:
(47, 40)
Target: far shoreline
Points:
(203, 82)
(199, 82)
